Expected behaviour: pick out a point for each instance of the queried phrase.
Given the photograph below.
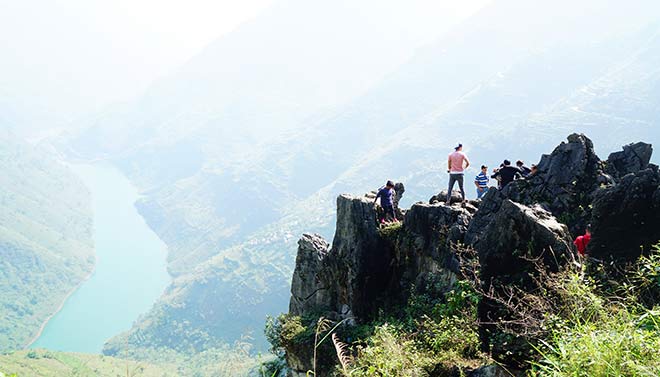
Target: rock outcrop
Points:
(529, 224)
(423, 251)
(565, 183)
(307, 291)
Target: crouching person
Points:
(386, 195)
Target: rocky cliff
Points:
(369, 270)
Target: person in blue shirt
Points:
(481, 181)
(386, 195)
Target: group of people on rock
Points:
(457, 164)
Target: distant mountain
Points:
(510, 82)
(202, 129)
(46, 246)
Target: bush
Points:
(614, 346)
(435, 335)
(284, 331)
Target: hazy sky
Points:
(78, 56)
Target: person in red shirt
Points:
(583, 241)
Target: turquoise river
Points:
(130, 269)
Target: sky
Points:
(62, 59)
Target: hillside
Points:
(45, 363)
(46, 245)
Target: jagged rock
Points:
(442, 197)
(567, 177)
(565, 184)
(627, 216)
(571, 164)
(306, 288)
(507, 237)
(633, 158)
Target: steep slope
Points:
(45, 239)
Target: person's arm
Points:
(377, 196)
(517, 175)
(467, 162)
(449, 163)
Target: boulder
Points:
(633, 158)
(442, 197)
(626, 217)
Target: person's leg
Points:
(480, 193)
(452, 181)
(460, 186)
(389, 214)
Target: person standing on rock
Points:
(457, 163)
(481, 181)
(583, 241)
(525, 171)
(386, 195)
(507, 174)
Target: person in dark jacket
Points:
(386, 195)
(524, 170)
(507, 174)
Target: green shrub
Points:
(614, 346)
(284, 331)
(390, 353)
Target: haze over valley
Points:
(158, 190)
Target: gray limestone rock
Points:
(633, 158)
